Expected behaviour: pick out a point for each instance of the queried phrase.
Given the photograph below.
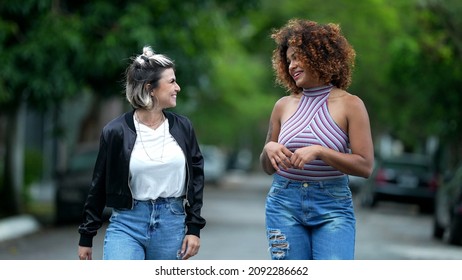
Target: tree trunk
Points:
(11, 193)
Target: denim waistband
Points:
(281, 179)
(161, 200)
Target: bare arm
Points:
(361, 160)
(275, 154)
(264, 159)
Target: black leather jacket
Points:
(110, 183)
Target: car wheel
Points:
(438, 230)
(455, 232)
(368, 199)
(64, 212)
(427, 208)
(60, 215)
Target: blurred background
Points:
(62, 65)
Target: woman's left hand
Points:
(304, 155)
(190, 247)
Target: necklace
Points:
(153, 126)
(138, 121)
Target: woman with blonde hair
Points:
(149, 170)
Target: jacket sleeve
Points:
(194, 221)
(96, 199)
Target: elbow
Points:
(366, 166)
(367, 171)
(362, 174)
(266, 165)
(363, 170)
(267, 168)
(269, 171)
(367, 174)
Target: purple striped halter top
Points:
(311, 124)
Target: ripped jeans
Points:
(310, 220)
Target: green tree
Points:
(37, 60)
(427, 74)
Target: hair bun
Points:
(147, 51)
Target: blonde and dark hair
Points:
(142, 77)
(320, 48)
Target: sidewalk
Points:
(17, 226)
(20, 225)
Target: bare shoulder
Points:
(281, 104)
(345, 108)
(286, 106)
(342, 98)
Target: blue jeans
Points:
(152, 230)
(310, 220)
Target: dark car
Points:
(447, 220)
(73, 183)
(356, 183)
(409, 178)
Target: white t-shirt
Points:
(157, 164)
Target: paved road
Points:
(235, 216)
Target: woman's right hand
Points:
(85, 253)
(278, 155)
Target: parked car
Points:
(356, 183)
(447, 218)
(240, 160)
(72, 185)
(409, 178)
(214, 164)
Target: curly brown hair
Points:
(320, 47)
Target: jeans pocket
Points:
(276, 188)
(177, 207)
(339, 191)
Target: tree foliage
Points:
(427, 72)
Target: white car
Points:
(214, 164)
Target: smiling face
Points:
(167, 89)
(303, 77)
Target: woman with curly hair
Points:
(318, 134)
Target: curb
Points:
(17, 226)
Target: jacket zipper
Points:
(128, 177)
(188, 178)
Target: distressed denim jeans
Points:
(152, 230)
(310, 220)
